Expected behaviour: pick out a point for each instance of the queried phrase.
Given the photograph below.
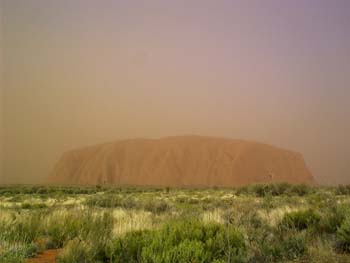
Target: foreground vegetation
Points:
(257, 223)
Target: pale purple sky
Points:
(83, 72)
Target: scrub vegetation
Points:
(256, 223)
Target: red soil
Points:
(47, 256)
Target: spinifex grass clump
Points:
(343, 190)
(188, 241)
(17, 235)
(277, 189)
(343, 236)
(333, 217)
(301, 220)
(64, 226)
(26, 231)
(278, 247)
(112, 201)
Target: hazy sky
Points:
(1, 101)
(80, 72)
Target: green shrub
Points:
(333, 218)
(343, 236)
(343, 190)
(109, 201)
(21, 228)
(105, 201)
(275, 189)
(186, 251)
(277, 247)
(157, 206)
(294, 247)
(129, 248)
(27, 205)
(185, 241)
(300, 190)
(14, 255)
(84, 225)
(301, 220)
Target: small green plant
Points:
(109, 201)
(343, 190)
(343, 236)
(300, 190)
(186, 241)
(301, 220)
(333, 218)
(27, 205)
(84, 225)
(156, 207)
(294, 247)
(280, 248)
(129, 247)
(277, 189)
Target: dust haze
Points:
(79, 73)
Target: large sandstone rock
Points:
(181, 161)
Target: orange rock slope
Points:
(181, 161)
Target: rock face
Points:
(181, 161)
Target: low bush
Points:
(334, 217)
(343, 190)
(300, 190)
(156, 207)
(276, 189)
(108, 201)
(280, 248)
(186, 241)
(301, 220)
(17, 254)
(343, 236)
(294, 247)
(23, 228)
(85, 225)
(17, 236)
(27, 205)
(111, 201)
(30, 232)
(129, 248)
